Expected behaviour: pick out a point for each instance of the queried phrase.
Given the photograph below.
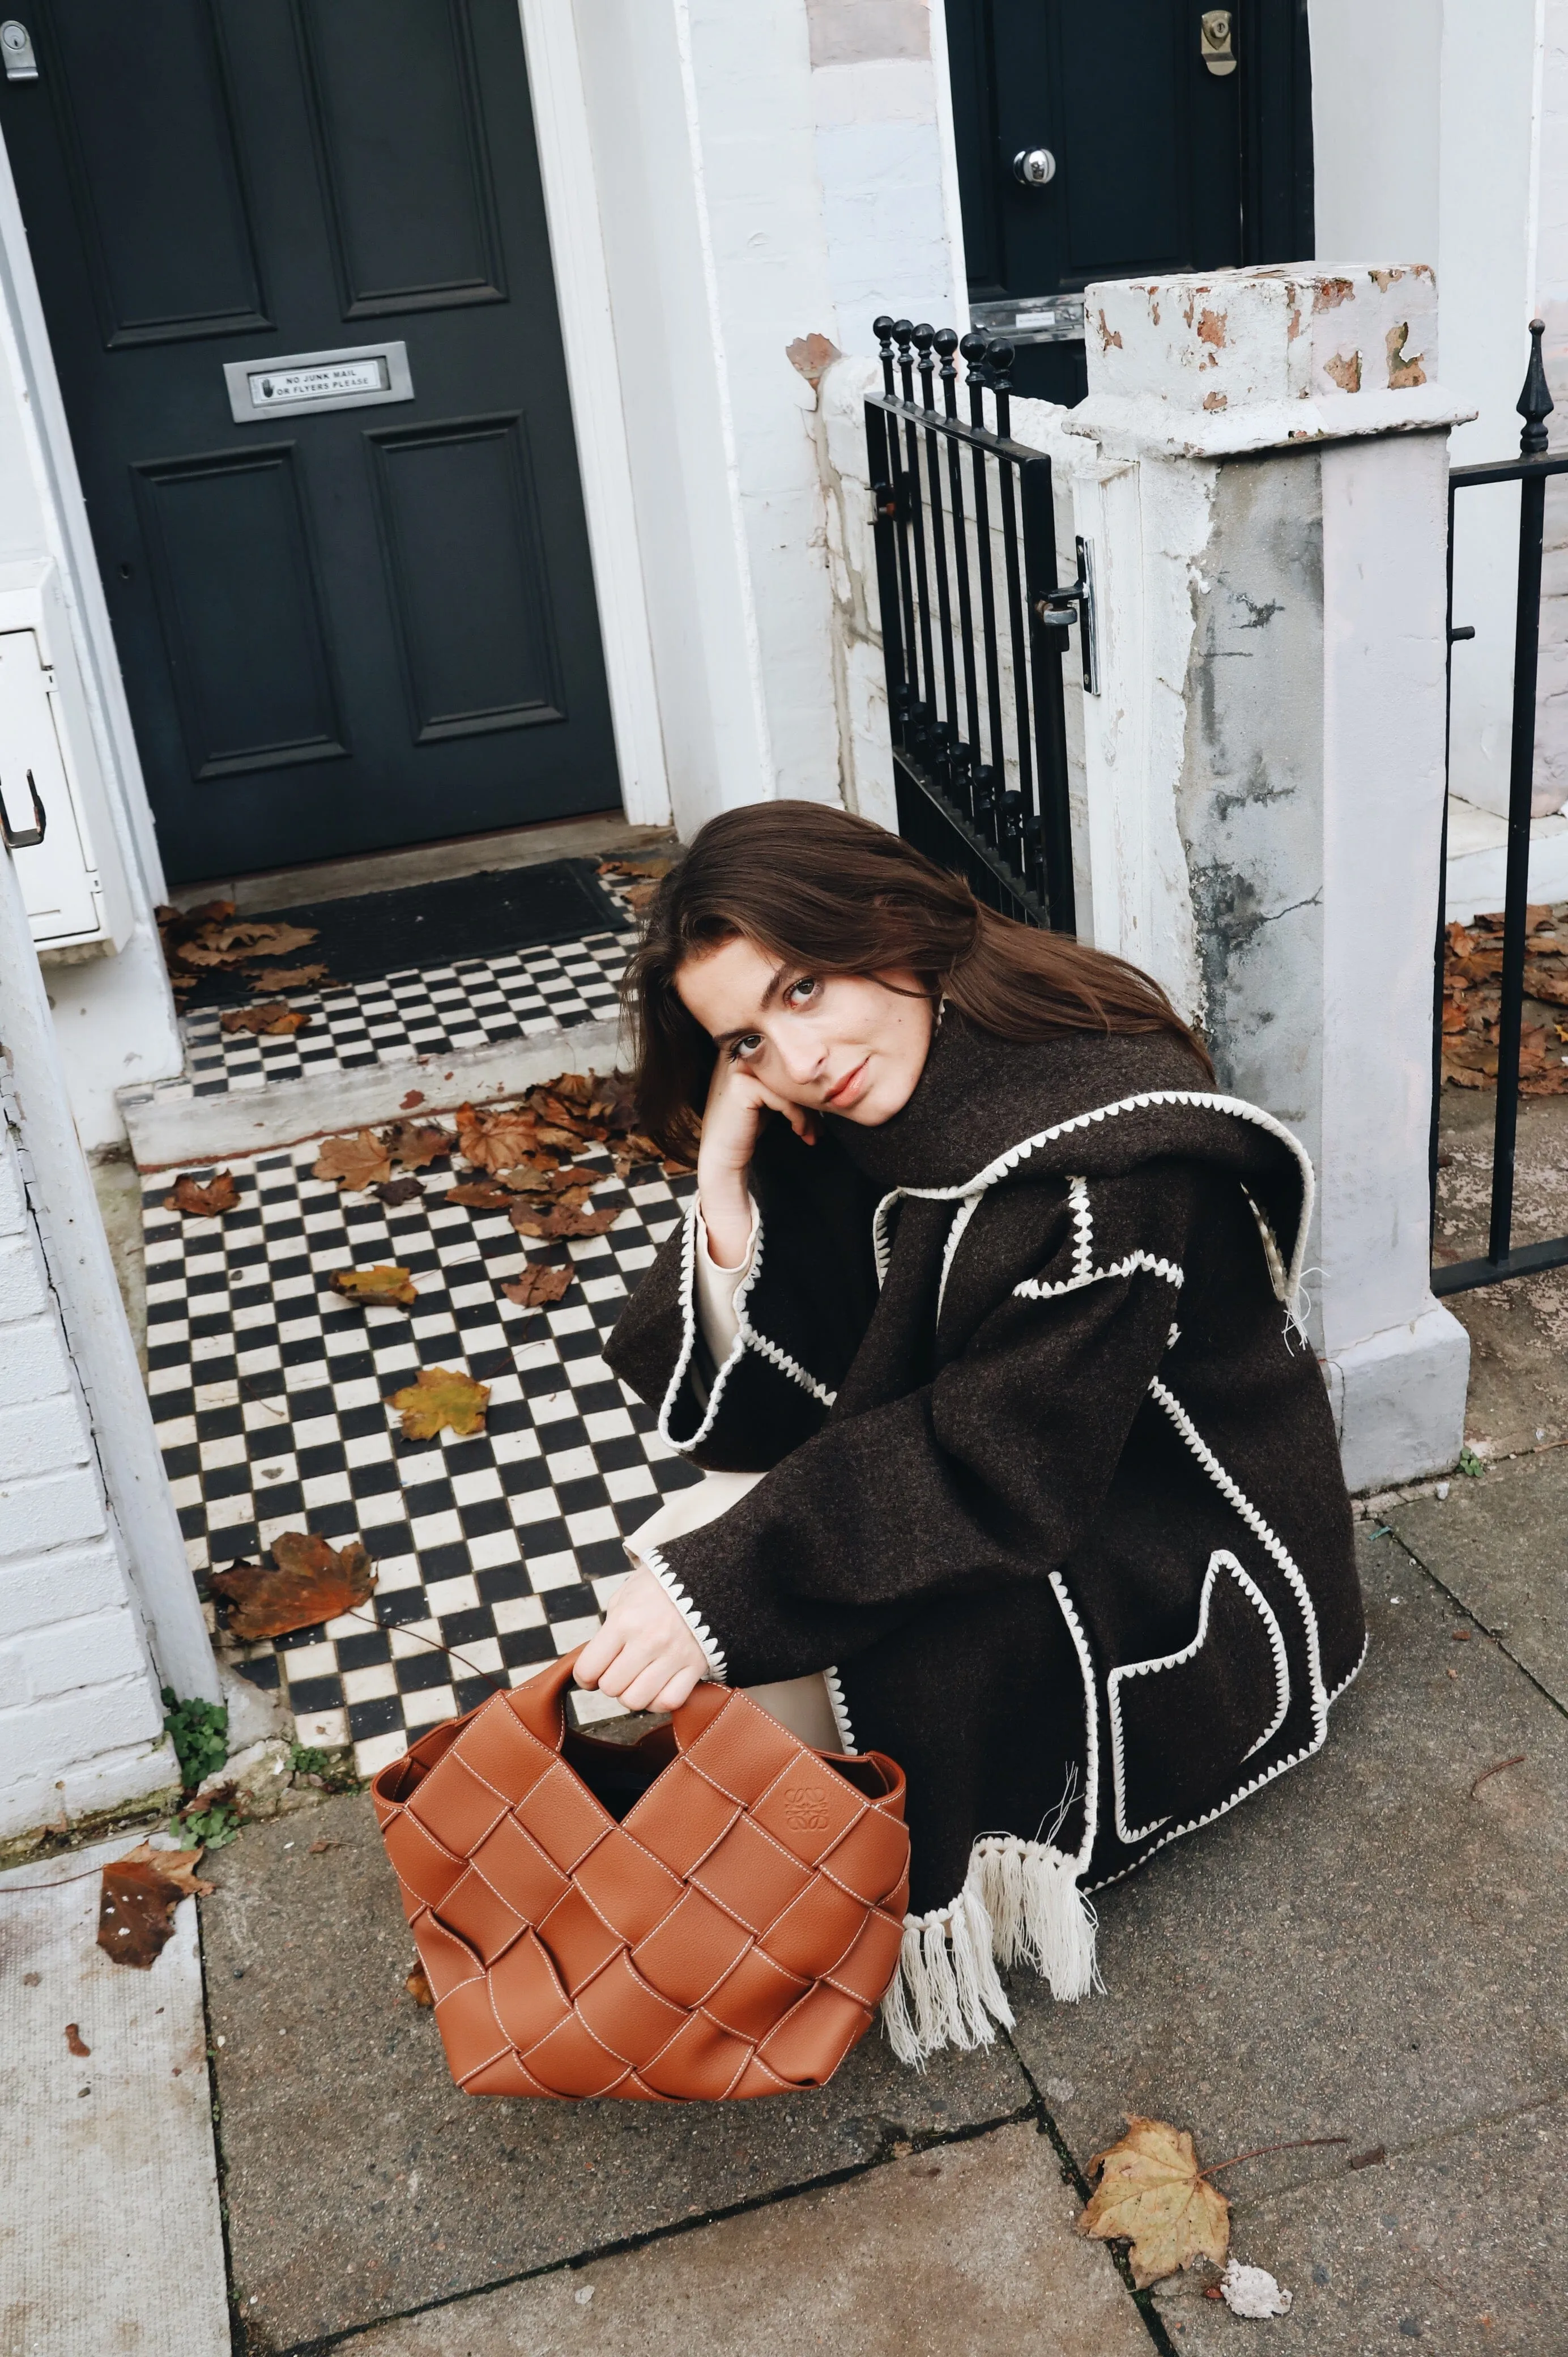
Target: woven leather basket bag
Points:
(711, 1912)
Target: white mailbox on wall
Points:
(72, 882)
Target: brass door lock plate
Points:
(1215, 44)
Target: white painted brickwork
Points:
(79, 1725)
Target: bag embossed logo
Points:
(712, 1913)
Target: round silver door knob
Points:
(1033, 166)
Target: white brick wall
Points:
(81, 1723)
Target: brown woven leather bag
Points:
(714, 1912)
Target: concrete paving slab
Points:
(968, 2247)
(361, 2184)
(1499, 1544)
(1454, 2248)
(1367, 1949)
(110, 2235)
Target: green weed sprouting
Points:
(199, 1733)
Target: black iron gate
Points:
(1530, 470)
(973, 624)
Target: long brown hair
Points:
(837, 895)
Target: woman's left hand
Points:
(644, 1655)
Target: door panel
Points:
(458, 518)
(1161, 165)
(347, 628)
(238, 597)
(402, 147)
(146, 125)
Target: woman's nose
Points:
(802, 1059)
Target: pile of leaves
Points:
(637, 880)
(214, 939)
(1472, 997)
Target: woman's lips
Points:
(844, 1092)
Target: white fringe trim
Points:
(1020, 1905)
(653, 1561)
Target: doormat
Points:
(427, 925)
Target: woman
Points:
(982, 1322)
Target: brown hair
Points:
(811, 884)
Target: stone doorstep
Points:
(166, 1131)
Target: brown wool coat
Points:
(1053, 1488)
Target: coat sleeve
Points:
(989, 1474)
(801, 1312)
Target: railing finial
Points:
(924, 336)
(882, 328)
(1535, 404)
(1001, 357)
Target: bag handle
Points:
(540, 1703)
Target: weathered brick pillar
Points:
(1264, 765)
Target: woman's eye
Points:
(741, 1049)
(801, 993)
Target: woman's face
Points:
(850, 1044)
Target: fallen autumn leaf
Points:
(200, 1201)
(275, 1021)
(1151, 2193)
(537, 1285)
(390, 1286)
(412, 1143)
(290, 978)
(357, 1160)
(440, 1396)
(419, 1988)
(137, 1896)
(560, 1221)
(398, 1190)
(308, 1583)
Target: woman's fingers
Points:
(597, 1656)
(643, 1647)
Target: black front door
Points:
(340, 627)
(1180, 137)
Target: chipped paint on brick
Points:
(1108, 336)
(1402, 372)
(1330, 292)
(1212, 327)
(1344, 368)
(1215, 401)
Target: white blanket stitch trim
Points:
(747, 1338)
(1286, 1280)
(718, 1667)
(1220, 1560)
(840, 1709)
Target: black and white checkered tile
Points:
(424, 1011)
(269, 1394)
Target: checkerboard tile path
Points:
(425, 1011)
(269, 1394)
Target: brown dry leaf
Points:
(537, 1285)
(311, 1583)
(480, 1195)
(438, 1396)
(326, 1842)
(555, 1135)
(273, 1021)
(75, 2042)
(652, 866)
(356, 1162)
(412, 1146)
(198, 1201)
(1152, 2191)
(273, 941)
(494, 1140)
(560, 1221)
(399, 1190)
(137, 1896)
(419, 1988)
(290, 978)
(387, 1284)
(639, 896)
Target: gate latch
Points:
(1215, 45)
(1054, 612)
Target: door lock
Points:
(1215, 45)
(17, 52)
(1033, 166)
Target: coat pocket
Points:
(1183, 1725)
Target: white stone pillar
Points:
(1265, 763)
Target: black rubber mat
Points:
(487, 915)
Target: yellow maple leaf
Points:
(1152, 2191)
(387, 1284)
(437, 1396)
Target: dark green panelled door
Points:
(1173, 151)
(341, 627)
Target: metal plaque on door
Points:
(356, 378)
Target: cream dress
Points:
(801, 1704)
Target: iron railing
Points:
(1530, 471)
(975, 625)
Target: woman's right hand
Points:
(731, 1120)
